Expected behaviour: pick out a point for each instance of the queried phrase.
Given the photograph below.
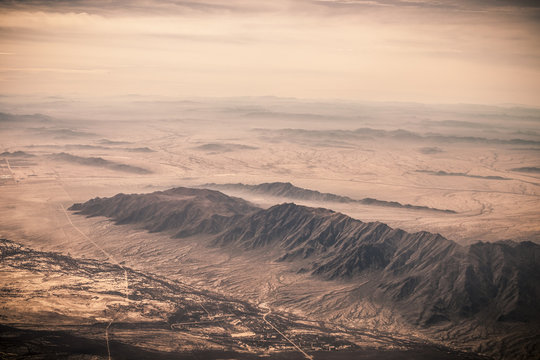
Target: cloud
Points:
(53, 70)
(455, 4)
(364, 49)
(524, 9)
(147, 7)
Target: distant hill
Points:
(98, 162)
(289, 191)
(323, 136)
(40, 118)
(527, 169)
(444, 173)
(16, 154)
(223, 147)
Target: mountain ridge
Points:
(98, 162)
(430, 280)
(333, 246)
(290, 191)
(178, 210)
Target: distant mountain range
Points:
(16, 154)
(430, 280)
(289, 191)
(323, 136)
(98, 162)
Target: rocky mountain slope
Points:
(433, 278)
(183, 211)
(431, 281)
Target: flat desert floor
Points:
(485, 171)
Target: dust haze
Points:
(293, 179)
(459, 171)
(402, 153)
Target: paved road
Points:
(306, 355)
(113, 260)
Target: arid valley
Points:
(286, 179)
(205, 274)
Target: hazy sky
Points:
(408, 50)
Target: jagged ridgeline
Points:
(180, 211)
(292, 192)
(431, 279)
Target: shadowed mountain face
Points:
(289, 191)
(430, 279)
(181, 211)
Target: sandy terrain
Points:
(467, 169)
(451, 171)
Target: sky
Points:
(475, 51)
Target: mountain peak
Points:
(183, 211)
(428, 277)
